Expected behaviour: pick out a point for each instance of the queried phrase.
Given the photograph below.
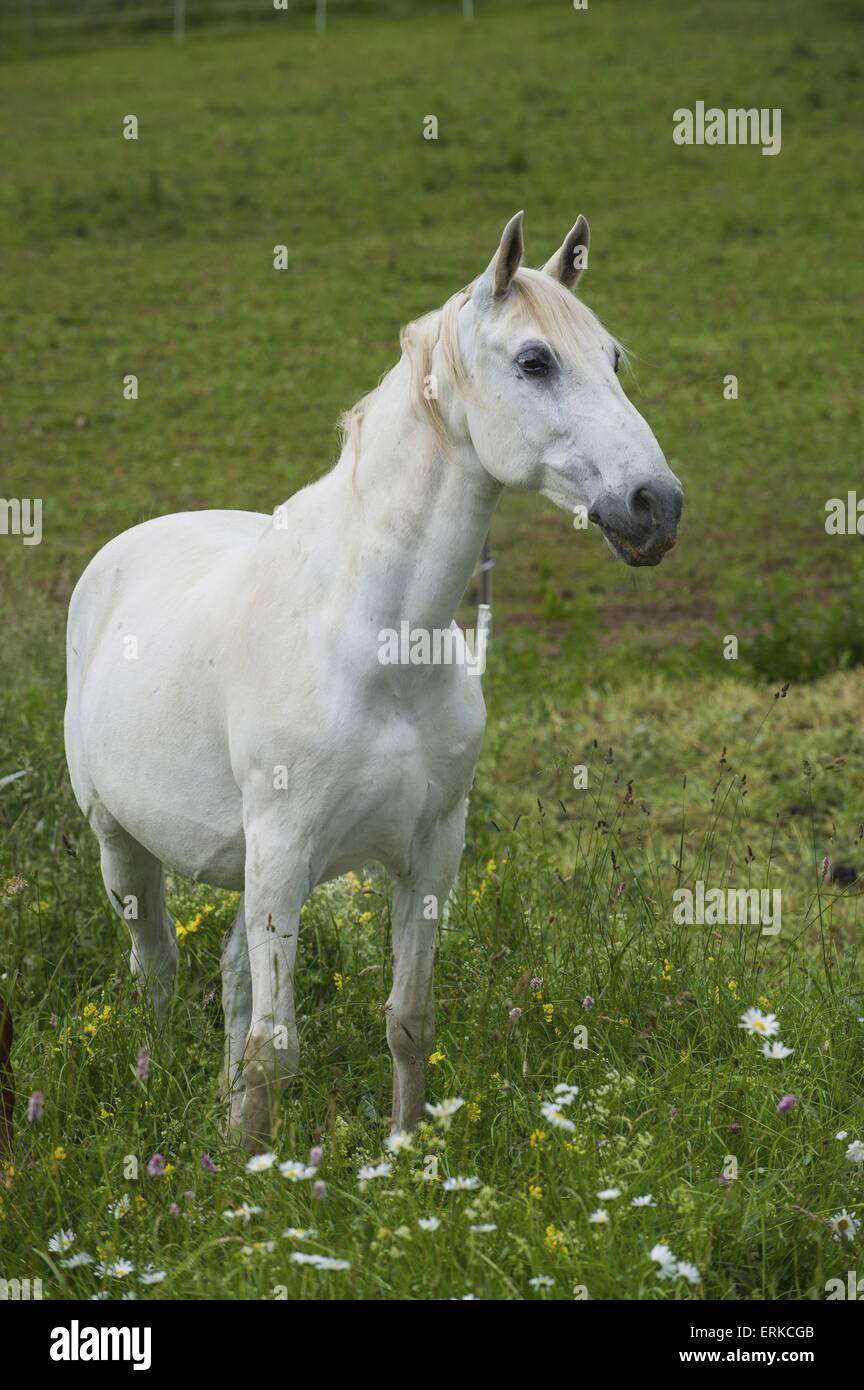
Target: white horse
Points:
(228, 712)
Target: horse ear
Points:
(571, 259)
(498, 275)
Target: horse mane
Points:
(564, 320)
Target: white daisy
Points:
(646, 1201)
(120, 1207)
(153, 1276)
(608, 1194)
(542, 1281)
(259, 1163)
(566, 1093)
(855, 1151)
(599, 1217)
(461, 1184)
(261, 1247)
(399, 1143)
(295, 1171)
(299, 1233)
(842, 1134)
(442, 1112)
(844, 1225)
(754, 1021)
(61, 1242)
(662, 1256)
(371, 1171)
(114, 1269)
(553, 1114)
(689, 1272)
(243, 1213)
(485, 1228)
(77, 1261)
(428, 1223)
(319, 1261)
(776, 1051)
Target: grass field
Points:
(154, 257)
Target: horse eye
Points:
(534, 361)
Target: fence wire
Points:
(27, 24)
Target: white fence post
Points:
(468, 9)
(179, 20)
(320, 16)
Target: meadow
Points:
(560, 963)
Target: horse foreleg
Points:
(275, 890)
(237, 1009)
(418, 902)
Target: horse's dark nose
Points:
(657, 506)
(642, 526)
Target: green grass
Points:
(155, 258)
(669, 1085)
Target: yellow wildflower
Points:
(555, 1240)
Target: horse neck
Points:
(418, 511)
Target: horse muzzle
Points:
(641, 526)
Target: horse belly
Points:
(163, 774)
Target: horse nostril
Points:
(643, 504)
(594, 516)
